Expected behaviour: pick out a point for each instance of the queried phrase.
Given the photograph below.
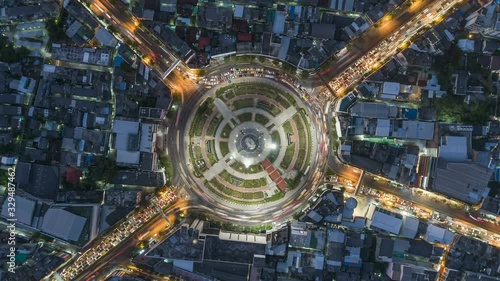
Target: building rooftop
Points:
(453, 148)
(384, 220)
(436, 234)
(184, 244)
(39, 180)
(373, 110)
(410, 227)
(491, 205)
(390, 88)
(24, 209)
(231, 250)
(464, 181)
(412, 129)
(139, 178)
(63, 224)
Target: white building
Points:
(63, 224)
(131, 139)
(436, 234)
(389, 90)
(384, 220)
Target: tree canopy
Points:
(103, 169)
(8, 53)
(56, 29)
(451, 108)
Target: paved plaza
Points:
(252, 143)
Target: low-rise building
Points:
(467, 182)
(436, 234)
(131, 139)
(383, 220)
(63, 224)
(41, 181)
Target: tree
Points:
(165, 163)
(23, 52)
(112, 28)
(8, 53)
(304, 74)
(103, 169)
(214, 42)
(56, 29)
(447, 63)
(126, 67)
(288, 68)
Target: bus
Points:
(327, 107)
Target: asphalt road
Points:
(162, 55)
(429, 203)
(373, 37)
(347, 171)
(122, 252)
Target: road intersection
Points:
(368, 50)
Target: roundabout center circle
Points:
(250, 143)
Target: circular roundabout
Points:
(250, 144)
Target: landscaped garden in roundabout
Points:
(250, 142)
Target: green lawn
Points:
(274, 95)
(295, 182)
(238, 166)
(254, 183)
(304, 134)
(226, 176)
(301, 158)
(287, 127)
(288, 156)
(200, 118)
(261, 119)
(230, 94)
(245, 117)
(226, 131)
(301, 130)
(290, 98)
(274, 153)
(274, 110)
(242, 195)
(229, 199)
(216, 189)
(224, 91)
(242, 103)
(197, 152)
(275, 197)
(213, 126)
(196, 126)
(212, 158)
(224, 148)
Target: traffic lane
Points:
(129, 241)
(126, 25)
(123, 258)
(405, 194)
(341, 169)
(373, 37)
